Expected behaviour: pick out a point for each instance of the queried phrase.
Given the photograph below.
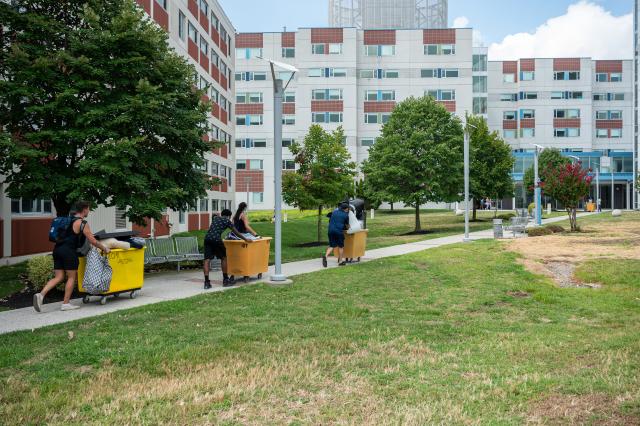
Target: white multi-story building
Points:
(388, 14)
(348, 77)
(581, 106)
(202, 33)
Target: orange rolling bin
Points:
(248, 259)
(354, 245)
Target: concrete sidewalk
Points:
(160, 287)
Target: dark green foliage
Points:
(325, 173)
(418, 158)
(98, 107)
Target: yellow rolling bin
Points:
(591, 207)
(248, 259)
(128, 274)
(354, 245)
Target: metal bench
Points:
(518, 225)
(164, 247)
(188, 248)
(150, 258)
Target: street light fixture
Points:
(278, 93)
(536, 185)
(466, 181)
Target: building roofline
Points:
(561, 57)
(355, 28)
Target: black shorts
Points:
(336, 240)
(214, 249)
(65, 259)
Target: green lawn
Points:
(387, 229)
(456, 335)
(10, 279)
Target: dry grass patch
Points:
(581, 409)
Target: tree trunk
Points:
(573, 220)
(391, 206)
(495, 214)
(319, 224)
(63, 207)
(474, 210)
(418, 226)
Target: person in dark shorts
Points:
(65, 257)
(214, 246)
(338, 223)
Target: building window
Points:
(528, 95)
(215, 22)
(509, 78)
(566, 113)
(479, 63)
(527, 113)
(249, 120)
(251, 143)
(181, 217)
(255, 164)
(241, 165)
(288, 120)
(479, 105)
(326, 94)
(192, 32)
(367, 141)
(571, 132)
(289, 97)
(257, 197)
(442, 95)
(251, 76)
(527, 133)
(380, 95)
(527, 76)
(327, 72)
(615, 133)
(602, 77)
(509, 115)
(440, 73)
(615, 77)
(318, 48)
(509, 134)
(602, 133)
(204, 46)
(249, 98)
(440, 49)
(182, 25)
(609, 115)
(479, 84)
(335, 48)
(566, 95)
(326, 117)
(377, 118)
(204, 204)
(316, 72)
(509, 97)
(288, 165)
(566, 75)
(162, 3)
(380, 50)
(29, 206)
(204, 7)
(249, 53)
(288, 52)
(287, 142)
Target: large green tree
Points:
(325, 172)
(491, 163)
(418, 158)
(98, 107)
(550, 159)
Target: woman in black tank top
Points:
(241, 222)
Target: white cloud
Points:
(463, 22)
(586, 30)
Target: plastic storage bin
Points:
(591, 207)
(354, 245)
(128, 274)
(248, 259)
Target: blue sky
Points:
(495, 19)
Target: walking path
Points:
(162, 287)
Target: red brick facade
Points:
(192, 5)
(289, 108)
(244, 109)
(249, 40)
(375, 37)
(561, 123)
(146, 5)
(28, 235)
(254, 178)
(327, 35)
(383, 106)
(327, 106)
(608, 66)
(608, 124)
(566, 64)
(193, 50)
(449, 105)
(527, 64)
(447, 36)
(528, 123)
(509, 124)
(288, 40)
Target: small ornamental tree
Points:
(569, 184)
(419, 156)
(550, 158)
(325, 173)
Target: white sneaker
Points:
(68, 307)
(37, 302)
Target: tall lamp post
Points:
(278, 93)
(466, 239)
(537, 193)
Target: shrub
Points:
(556, 229)
(530, 209)
(39, 271)
(539, 232)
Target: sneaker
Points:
(324, 261)
(228, 283)
(69, 307)
(37, 302)
(207, 285)
(342, 264)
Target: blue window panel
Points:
(379, 73)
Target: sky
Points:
(512, 29)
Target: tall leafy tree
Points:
(98, 107)
(325, 172)
(491, 163)
(549, 159)
(418, 158)
(569, 184)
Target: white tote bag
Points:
(354, 223)
(97, 274)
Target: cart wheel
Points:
(133, 294)
(115, 296)
(103, 300)
(245, 280)
(260, 276)
(358, 260)
(86, 298)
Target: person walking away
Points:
(241, 222)
(214, 246)
(66, 258)
(338, 222)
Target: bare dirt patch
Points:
(557, 256)
(580, 409)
